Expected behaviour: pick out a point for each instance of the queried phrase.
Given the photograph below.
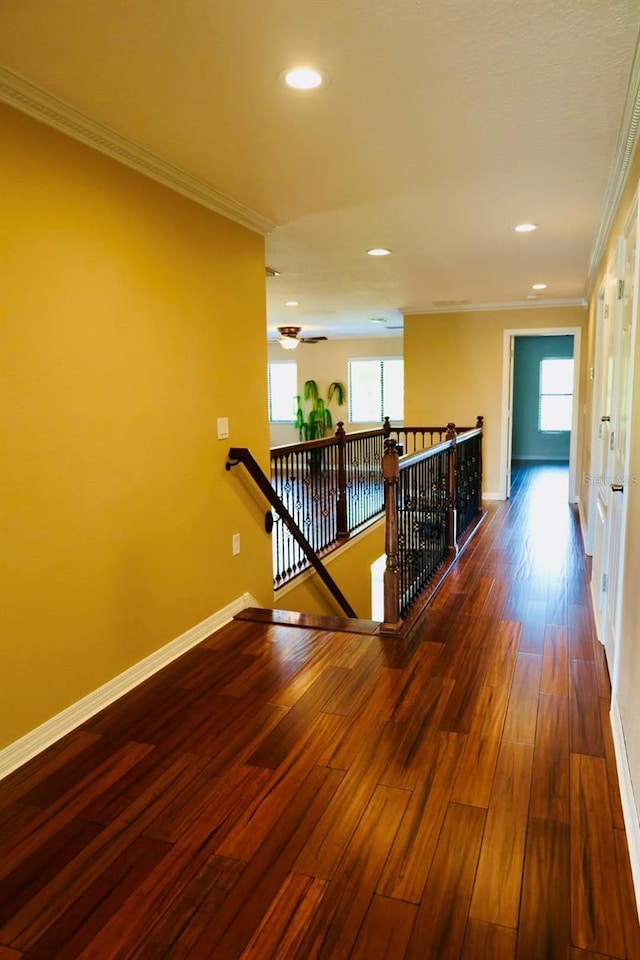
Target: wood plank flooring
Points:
(292, 789)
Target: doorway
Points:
(540, 411)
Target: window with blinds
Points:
(376, 389)
(283, 387)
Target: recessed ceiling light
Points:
(303, 78)
(379, 252)
(291, 303)
(539, 286)
(525, 227)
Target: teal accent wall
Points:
(527, 441)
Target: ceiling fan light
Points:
(288, 343)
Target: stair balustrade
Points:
(325, 491)
(433, 503)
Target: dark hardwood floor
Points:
(284, 791)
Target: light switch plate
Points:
(223, 428)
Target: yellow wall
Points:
(120, 307)
(453, 369)
(350, 567)
(325, 362)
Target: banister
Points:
(411, 458)
(363, 434)
(391, 473)
(340, 436)
(303, 445)
(433, 507)
(243, 455)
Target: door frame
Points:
(507, 393)
(597, 374)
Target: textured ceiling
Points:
(444, 123)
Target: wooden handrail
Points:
(422, 429)
(243, 455)
(363, 434)
(340, 436)
(411, 458)
(303, 445)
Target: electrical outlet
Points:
(223, 428)
(235, 544)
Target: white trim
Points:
(596, 613)
(576, 333)
(492, 496)
(62, 723)
(627, 140)
(583, 526)
(629, 808)
(513, 305)
(31, 99)
(596, 376)
(541, 459)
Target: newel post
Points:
(451, 436)
(391, 474)
(342, 529)
(480, 426)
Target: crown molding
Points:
(43, 106)
(513, 305)
(627, 142)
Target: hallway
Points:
(286, 792)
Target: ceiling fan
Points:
(289, 338)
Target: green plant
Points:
(314, 423)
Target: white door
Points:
(603, 404)
(618, 441)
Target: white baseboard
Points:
(629, 808)
(596, 613)
(62, 723)
(492, 496)
(533, 458)
(583, 525)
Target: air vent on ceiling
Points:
(449, 303)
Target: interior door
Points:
(618, 445)
(603, 404)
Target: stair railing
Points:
(433, 503)
(331, 487)
(322, 491)
(242, 455)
